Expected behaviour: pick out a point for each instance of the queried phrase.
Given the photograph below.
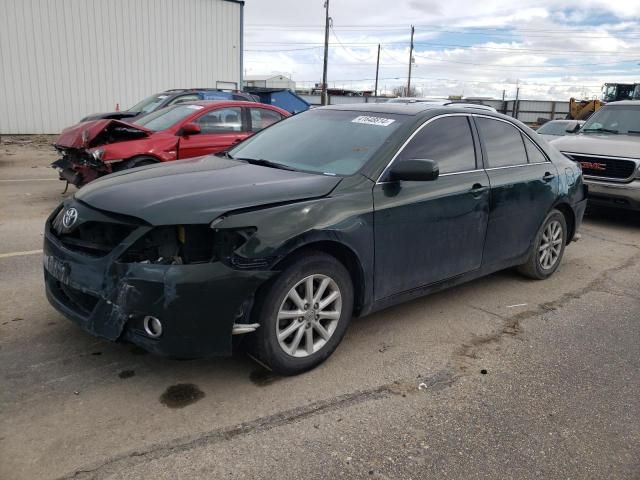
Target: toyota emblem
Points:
(70, 217)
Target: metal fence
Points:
(527, 111)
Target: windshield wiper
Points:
(606, 130)
(224, 154)
(265, 163)
(634, 132)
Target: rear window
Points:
(502, 142)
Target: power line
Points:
(459, 46)
(492, 31)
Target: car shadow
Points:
(612, 217)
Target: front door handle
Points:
(478, 189)
(548, 176)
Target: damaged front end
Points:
(172, 290)
(82, 158)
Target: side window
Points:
(184, 98)
(533, 153)
(224, 120)
(262, 118)
(448, 141)
(502, 142)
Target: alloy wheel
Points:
(550, 245)
(309, 315)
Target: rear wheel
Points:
(303, 314)
(548, 248)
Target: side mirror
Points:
(573, 129)
(414, 169)
(190, 129)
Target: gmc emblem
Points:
(593, 166)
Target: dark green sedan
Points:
(333, 213)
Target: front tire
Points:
(303, 314)
(548, 248)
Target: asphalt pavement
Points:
(500, 378)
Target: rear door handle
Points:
(548, 176)
(478, 189)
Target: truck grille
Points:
(604, 167)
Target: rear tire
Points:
(303, 313)
(548, 247)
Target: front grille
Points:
(605, 167)
(94, 238)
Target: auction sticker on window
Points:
(367, 120)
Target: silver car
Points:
(608, 149)
(554, 129)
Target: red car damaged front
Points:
(95, 148)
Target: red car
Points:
(96, 148)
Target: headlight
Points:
(187, 244)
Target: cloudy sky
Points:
(551, 49)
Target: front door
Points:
(220, 130)
(429, 231)
(524, 185)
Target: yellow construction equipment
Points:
(582, 109)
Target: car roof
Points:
(624, 102)
(412, 108)
(213, 104)
(561, 120)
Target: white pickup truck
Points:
(608, 149)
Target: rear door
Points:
(524, 186)
(428, 231)
(220, 129)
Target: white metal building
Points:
(269, 81)
(63, 59)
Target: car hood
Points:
(600, 144)
(199, 190)
(98, 132)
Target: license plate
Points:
(57, 269)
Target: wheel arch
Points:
(569, 216)
(345, 255)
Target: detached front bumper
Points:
(197, 304)
(620, 195)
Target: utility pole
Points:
(375, 89)
(325, 99)
(410, 61)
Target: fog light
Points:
(152, 326)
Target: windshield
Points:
(614, 119)
(322, 141)
(167, 117)
(149, 104)
(555, 128)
